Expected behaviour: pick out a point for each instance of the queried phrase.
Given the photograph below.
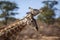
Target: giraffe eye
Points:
(31, 21)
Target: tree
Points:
(7, 9)
(47, 15)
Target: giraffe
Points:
(19, 25)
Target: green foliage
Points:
(7, 5)
(47, 15)
(50, 3)
(7, 9)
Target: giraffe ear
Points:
(29, 7)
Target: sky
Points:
(25, 4)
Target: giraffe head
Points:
(34, 11)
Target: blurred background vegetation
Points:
(46, 20)
(7, 9)
(47, 15)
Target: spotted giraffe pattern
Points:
(19, 25)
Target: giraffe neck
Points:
(7, 29)
(19, 25)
